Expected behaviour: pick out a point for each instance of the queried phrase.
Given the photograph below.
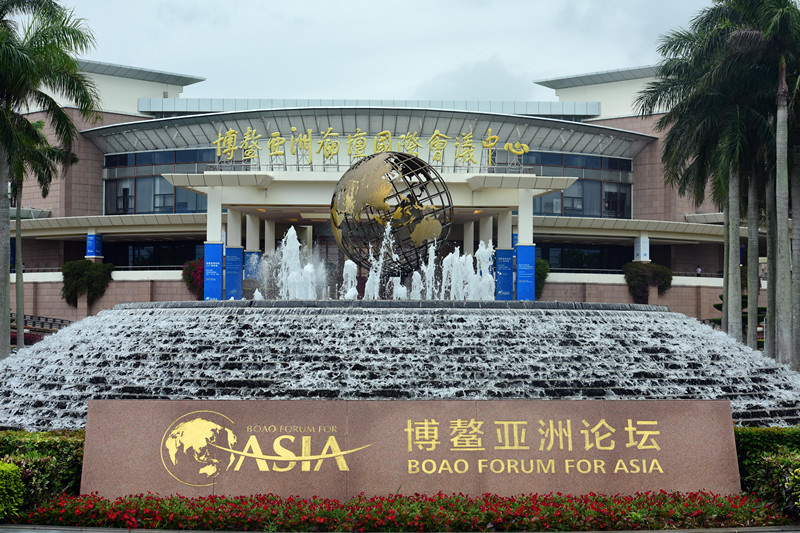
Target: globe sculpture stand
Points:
(394, 190)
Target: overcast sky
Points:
(412, 49)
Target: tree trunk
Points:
(5, 259)
(796, 256)
(734, 294)
(725, 269)
(752, 263)
(19, 282)
(772, 271)
(783, 285)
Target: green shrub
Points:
(10, 490)
(193, 277)
(50, 463)
(772, 478)
(794, 480)
(752, 443)
(83, 276)
(640, 276)
(542, 271)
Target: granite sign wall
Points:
(339, 449)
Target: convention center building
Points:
(162, 180)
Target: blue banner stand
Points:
(251, 260)
(504, 274)
(526, 272)
(233, 272)
(94, 245)
(212, 271)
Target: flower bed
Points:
(552, 512)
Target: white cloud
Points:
(361, 49)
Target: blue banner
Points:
(504, 275)
(233, 273)
(526, 272)
(94, 245)
(251, 260)
(212, 271)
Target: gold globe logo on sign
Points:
(199, 446)
(190, 446)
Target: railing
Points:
(41, 323)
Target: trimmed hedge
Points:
(83, 276)
(752, 443)
(11, 489)
(640, 276)
(542, 271)
(50, 463)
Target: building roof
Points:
(540, 134)
(575, 110)
(596, 78)
(123, 71)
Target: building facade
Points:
(163, 179)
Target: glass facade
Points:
(134, 185)
(151, 254)
(584, 256)
(603, 188)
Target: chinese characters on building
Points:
(311, 147)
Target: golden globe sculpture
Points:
(396, 190)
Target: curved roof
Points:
(595, 78)
(540, 134)
(122, 71)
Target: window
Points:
(581, 161)
(145, 158)
(612, 163)
(153, 195)
(189, 202)
(164, 158)
(616, 200)
(119, 160)
(119, 197)
(573, 200)
(549, 204)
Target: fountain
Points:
(293, 345)
(388, 350)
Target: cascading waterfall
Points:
(388, 350)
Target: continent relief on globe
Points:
(364, 184)
(195, 439)
(368, 183)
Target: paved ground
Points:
(52, 529)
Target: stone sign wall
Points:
(338, 449)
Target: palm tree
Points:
(766, 43)
(732, 50)
(38, 158)
(40, 59)
(710, 134)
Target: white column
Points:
(214, 215)
(307, 236)
(525, 217)
(234, 228)
(504, 230)
(485, 229)
(269, 236)
(468, 245)
(251, 235)
(641, 248)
